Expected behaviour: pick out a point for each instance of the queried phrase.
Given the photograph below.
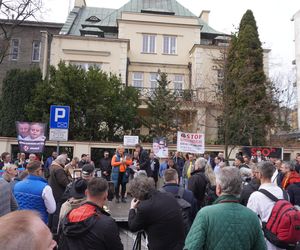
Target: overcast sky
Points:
(273, 19)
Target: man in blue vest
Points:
(34, 193)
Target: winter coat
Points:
(8, 202)
(69, 205)
(227, 225)
(290, 178)
(197, 184)
(155, 170)
(187, 196)
(186, 167)
(144, 162)
(58, 180)
(160, 217)
(294, 193)
(105, 165)
(180, 163)
(28, 194)
(116, 164)
(89, 227)
(247, 190)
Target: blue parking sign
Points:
(59, 117)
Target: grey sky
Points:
(273, 19)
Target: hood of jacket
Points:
(74, 203)
(80, 220)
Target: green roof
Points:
(78, 16)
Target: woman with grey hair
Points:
(157, 213)
(198, 181)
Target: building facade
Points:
(143, 37)
(27, 47)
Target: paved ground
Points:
(119, 211)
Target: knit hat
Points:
(87, 169)
(78, 189)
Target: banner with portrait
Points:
(31, 136)
(160, 147)
(190, 142)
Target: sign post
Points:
(59, 124)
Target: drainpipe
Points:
(126, 78)
(190, 74)
(45, 57)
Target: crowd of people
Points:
(181, 202)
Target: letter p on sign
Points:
(59, 114)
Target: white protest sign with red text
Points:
(190, 142)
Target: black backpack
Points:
(185, 208)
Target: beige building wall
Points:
(147, 69)
(134, 25)
(111, 54)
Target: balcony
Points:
(184, 95)
(200, 95)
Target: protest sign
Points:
(190, 142)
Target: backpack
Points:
(283, 227)
(185, 208)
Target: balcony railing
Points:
(184, 94)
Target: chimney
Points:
(205, 15)
(79, 3)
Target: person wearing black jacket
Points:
(89, 226)
(198, 181)
(294, 193)
(171, 180)
(154, 165)
(105, 166)
(248, 189)
(157, 213)
(144, 161)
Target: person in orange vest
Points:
(120, 172)
(290, 175)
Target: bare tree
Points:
(284, 96)
(13, 13)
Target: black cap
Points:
(78, 189)
(87, 169)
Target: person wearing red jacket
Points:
(290, 175)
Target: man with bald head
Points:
(28, 230)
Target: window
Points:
(149, 43)
(178, 82)
(169, 45)
(153, 80)
(87, 65)
(15, 43)
(137, 79)
(36, 51)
